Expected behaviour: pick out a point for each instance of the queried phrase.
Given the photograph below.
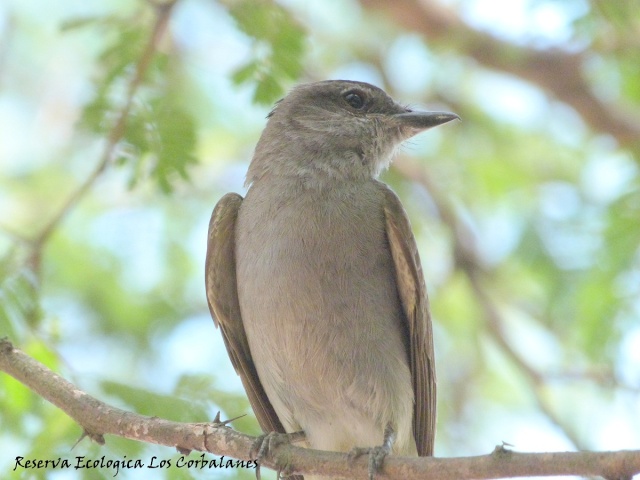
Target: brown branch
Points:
(163, 13)
(98, 419)
(558, 72)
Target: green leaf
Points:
(245, 73)
(19, 299)
(278, 48)
(79, 22)
(115, 66)
(150, 403)
(267, 90)
(177, 142)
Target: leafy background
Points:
(122, 123)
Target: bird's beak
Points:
(415, 122)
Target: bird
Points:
(315, 280)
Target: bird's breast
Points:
(322, 254)
(318, 297)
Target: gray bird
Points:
(315, 280)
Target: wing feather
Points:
(222, 297)
(415, 304)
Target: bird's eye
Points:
(355, 99)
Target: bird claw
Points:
(376, 457)
(267, 442)
(376, 454)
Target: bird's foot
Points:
(376, 454)
(267, 442)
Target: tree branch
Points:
(98, 418)
(558, 72)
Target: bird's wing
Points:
(415, 304)
(222, 296)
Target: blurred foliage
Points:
(160, 137)
(278, 47)
(112, 296)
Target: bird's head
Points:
(336, 129)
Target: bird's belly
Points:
(324, 323)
